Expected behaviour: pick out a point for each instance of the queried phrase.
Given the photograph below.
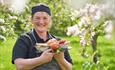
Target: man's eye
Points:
(45, 18)
(37, 18)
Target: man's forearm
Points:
(64, 64)
(27, 64)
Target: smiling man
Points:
(26, 57)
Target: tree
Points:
(92, 23)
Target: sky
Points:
(18, 5)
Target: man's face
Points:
(41, 21)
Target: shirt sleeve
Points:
(20, 48)
(67, 56)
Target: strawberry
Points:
(54, 46)
(57, 46)
(62, 41)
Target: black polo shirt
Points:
(25, 47)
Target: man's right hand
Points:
(47, 56)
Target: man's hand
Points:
(59, 56)
(63, 63)
(47, 56)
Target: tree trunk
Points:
(94, 47)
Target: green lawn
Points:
(106, 47)
(6, 54)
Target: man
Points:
(26, 57)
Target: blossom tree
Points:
(92, 23)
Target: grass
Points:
(6, 54)
(106, 48)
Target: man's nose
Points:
(41, 21)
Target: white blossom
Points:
(93, 33)
(12, 17)
(18, 5)
(70, 31)
(73, 30)
(83, 42)
(2, 38)
(96, 15)
(108, 36)
(75, 14)
(92, 11)
(83, 12)
(1, 1)
(108, 27)
(2, 20)
(2, 28)
(92, 8)
(90, 15)
(82, 32)
(5, 2)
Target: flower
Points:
(12, 17)
(90, 23)
(85, 20)
(108, 36)
(83, 42)
(73, 30)
(108, 26)
(2, 20)
(2, 38)
(2, 28)
(18, 5)
(75, 14)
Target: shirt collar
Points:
(40, 39)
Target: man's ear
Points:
(31, 18)
(50, 23)
(50, 18)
